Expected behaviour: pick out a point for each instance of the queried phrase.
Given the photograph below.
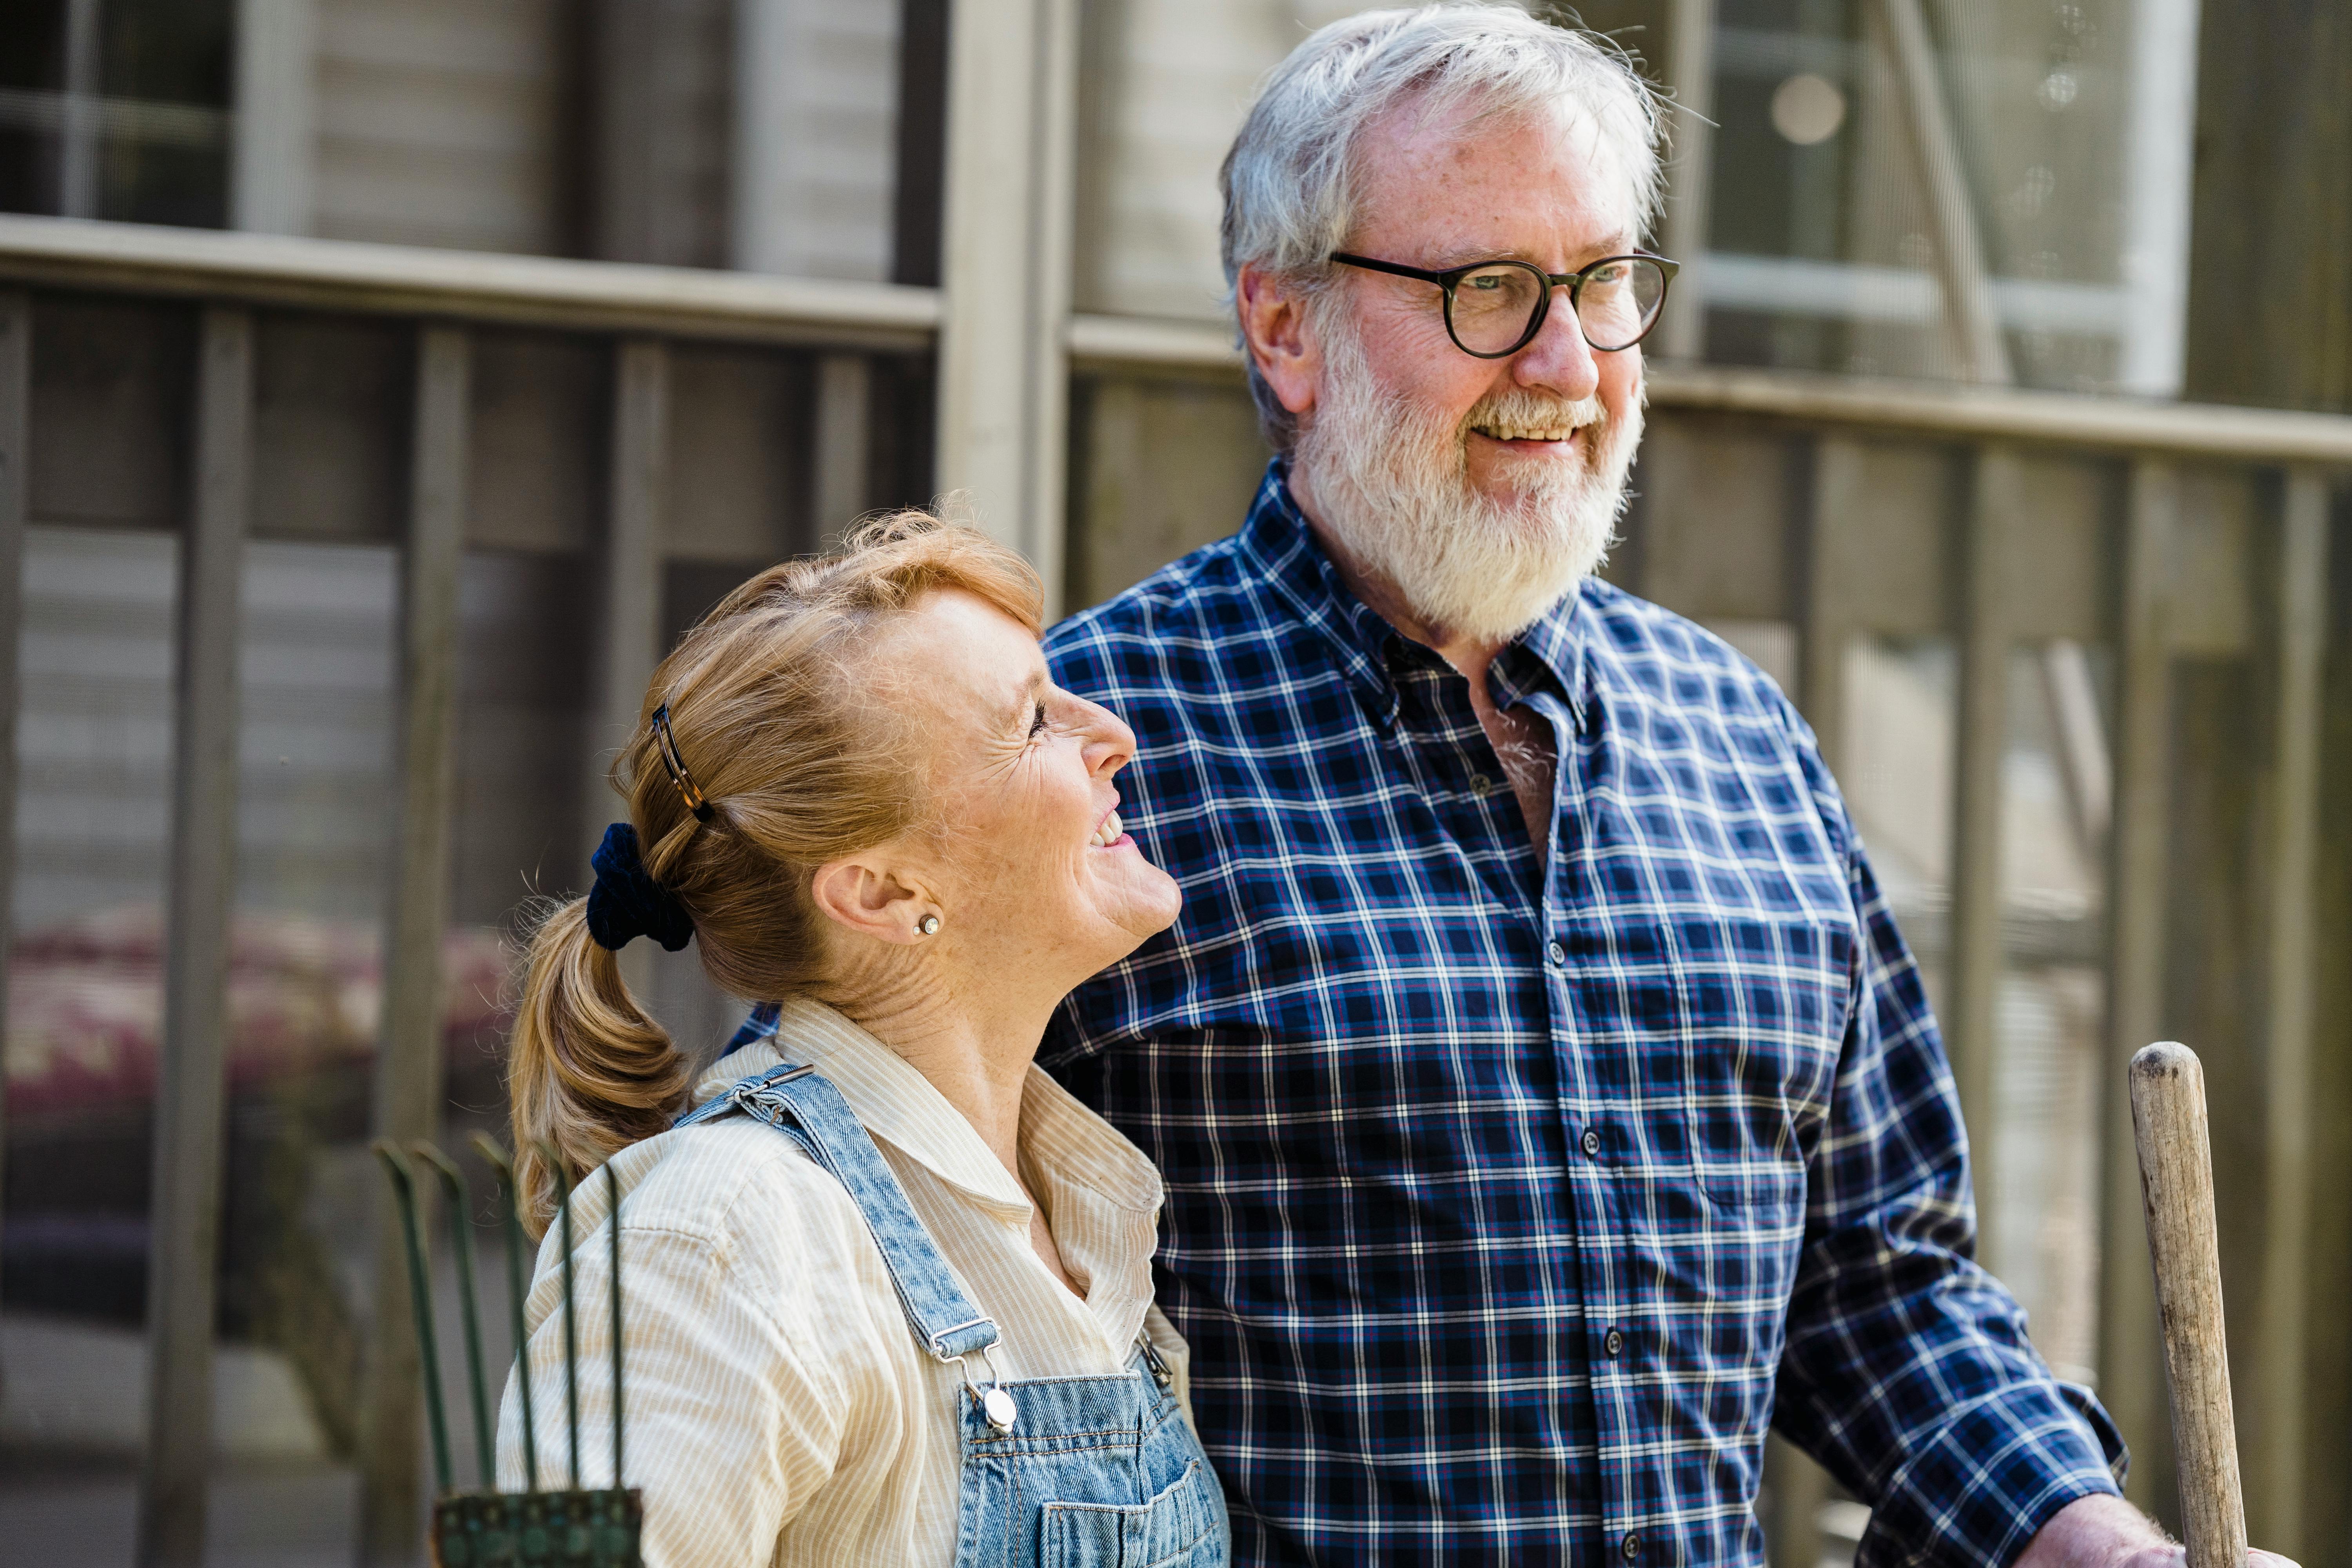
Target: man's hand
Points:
(2108, 1533)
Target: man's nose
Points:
(1559, 360)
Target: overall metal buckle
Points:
(994, 1403)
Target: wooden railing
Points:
(1834, 509)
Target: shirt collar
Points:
(1280, 543)
(1063, 1140)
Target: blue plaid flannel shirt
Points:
(1509, 1202)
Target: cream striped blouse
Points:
(777, 1407)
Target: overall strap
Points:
(799, 1103)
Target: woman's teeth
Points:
(1109, 833)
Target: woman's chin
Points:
(1146, 904)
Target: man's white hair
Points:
(1290, 181)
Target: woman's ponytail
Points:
(589, 1071)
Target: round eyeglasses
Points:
(1495, 309)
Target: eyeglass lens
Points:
(1493, 307)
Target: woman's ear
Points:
(1278, 337)
(869, 898)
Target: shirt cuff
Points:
(1976, 1492)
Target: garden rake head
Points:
(574, 1527)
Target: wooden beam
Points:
(1690, 69)
(273, 172)
(352, 277)
(1973, 978)
(630, 630)
(1822, 627)
(844, 399)
(1797, 1485)
(80, 137)
(1961, 264)
(16, 451)
(1952, 410)
(629, 626)
(183, 1216)
(1005, 270)
(2131, 1359)
(2300, 651)
(408, 1062)
(475, 287)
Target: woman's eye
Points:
(1038, 725)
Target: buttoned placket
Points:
(1606, 1253)
(1608, 1257)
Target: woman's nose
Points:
(1110, 744)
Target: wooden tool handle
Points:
(2176, 1181)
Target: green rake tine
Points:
(461, 1237)
(571, 1319)
(613, 1230)
(487, 1147)
(404, 1188)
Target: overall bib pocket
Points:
(1181, 1527)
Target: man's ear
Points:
(1278, 337)
(867, 895)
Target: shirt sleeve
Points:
(712, 1389)
(1907, 1372)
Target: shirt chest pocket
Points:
(1747, 1016)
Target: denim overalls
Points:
(1067, 1472)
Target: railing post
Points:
(184, 1217)
(628, 628)
(15, 500)
(1824, 626)
(844, 391)
(408, 1062)
(78, 136)
(1800, 1486)
(2291, 850)
(2131, 1365)
(1690, 40)
(1006, 269)
(1973, 984)
(273, 170)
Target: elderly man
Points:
(1547, 1099)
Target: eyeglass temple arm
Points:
(1394, 268)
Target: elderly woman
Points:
(888, 1287)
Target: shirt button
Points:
(1480, 783)
(1632, 1549)
(1555, 952)
(1613, 1343)
(1592, 1143)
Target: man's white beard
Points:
(1391, 482)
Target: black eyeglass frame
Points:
(1451, 278)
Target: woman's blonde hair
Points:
(784, 728)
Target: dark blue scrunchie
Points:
(627, 902)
